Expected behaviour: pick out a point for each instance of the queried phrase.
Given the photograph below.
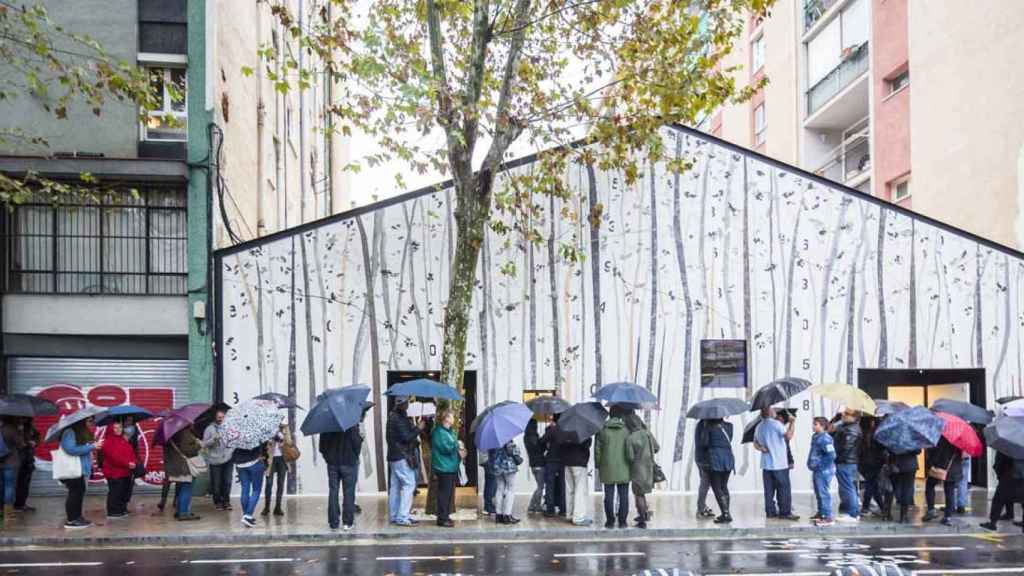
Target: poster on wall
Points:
(723, 363)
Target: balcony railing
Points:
(814, 10)
(850, 161)
(854, 64)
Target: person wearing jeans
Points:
(218, 457)
(28, 466)
(770, 439)
(341, 454)
(249, 463)
(847, 436)
(535, 457)
(505, 463)
(613, 469)
(963, 490)
(182, 446)
(10, 463)
(946, 457)
(821, 462)
(403, 440)
(554, 472)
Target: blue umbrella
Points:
(910, 430)
(626, 393)
(118, 412)
(501, 425)
(424, 388)
(336, 410)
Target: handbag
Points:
(65, 466)
(516, 456)
(196, 464)
(940, 473)
(290, 452)
(659, 474)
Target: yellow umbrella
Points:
(849, 396)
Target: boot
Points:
(277, 510)
(723, 507)
(266, 510)
(903, 514)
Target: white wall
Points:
(96, 315)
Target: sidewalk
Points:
(305, 520)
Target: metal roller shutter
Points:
(152, 384)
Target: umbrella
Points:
(749, 430)
(501, 425)
(548, 405)
(26, 406)
(582, 420)
(717, 408)
(961, 435)
(480, 417)
(910, 430)
(852, 397)
(778, 391)
(336, 410)
(886, 407)
(1007, 399)
(122, 411)
(626, 393)
(964, 410)
(1014, 408)
(281, 400)
(83, 413)
(176, 420)
(251, 423)
(1006, 434)
(424, 388)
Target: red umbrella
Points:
(961, 435)
(176, 420)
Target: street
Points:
(915, 556)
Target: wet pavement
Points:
(914, 556)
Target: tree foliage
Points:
(452, 85)
(59, 69)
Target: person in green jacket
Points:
(640, 449)
(613, 468)
(446, 452)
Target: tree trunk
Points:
(595, 268)
(748, 324)
(556, 358)
(531, 289)
(414, 304)
(291, 355)
(370, 273)
(883, 334)
(485, 300)
(772, 218)
(652, 335)
(980, 265)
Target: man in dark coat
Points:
(554, 472)
(28, 466)
(1010, 489)
(341, 454)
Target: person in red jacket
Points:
(118, 464)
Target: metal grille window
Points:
(130, 243)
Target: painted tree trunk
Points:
(1007, 319)
(414, 303)
(827, 290)
(292, 377)
(912, 350)
(883, 332)
(397, 316)
(260, 347)
(772, 218)
(595, 267)
(653, 332)
(794, 242)
(310, 351)
(370, 273)
(979, 349)
(556, 357)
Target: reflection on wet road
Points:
(963, 554)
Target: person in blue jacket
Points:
(78, 441)
(821, 461)
(714, 450)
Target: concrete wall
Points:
(97, 315)
(967, 122)
(115, 133)
(783, 93)
(891, 112)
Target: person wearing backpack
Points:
(505, 462)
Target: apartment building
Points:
(913, 101)
(107, 302)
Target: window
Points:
(760, 125)
(898, 82)
(129, 243)
(757, 54)
(900, 190)
(169, 121)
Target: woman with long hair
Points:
(640, 450)
(78, 440)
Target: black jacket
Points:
(341, 448)
(872, 455)
(534, 447)
(847, 437)
(573, 453)
(948, 457)
(905, 462)
(402, 436)
(550, 444)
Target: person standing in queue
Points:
(771, 438)
(640, 450)
(554, 471)
(78, 440)
(28, 466)
(446, 453)
(218, 456)
(118, 468)
(613, 468)
(943, 466)
(251, 464)
(869, 463)
(341, 454)
(714, 446)
(701, 459)
(1010, 489)
(904, 468)
(821, 461)
(182, 446)
(575, 457)
(847, 436)
(535, 458)
(505, 462)
(11, 450)
(403, 439)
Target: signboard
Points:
(723, 363)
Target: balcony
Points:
(854, 65)
(850, 162)
(814, 10)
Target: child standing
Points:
(821, 462)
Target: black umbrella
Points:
(1006, 434)
(480, 417)
(717, 408)
(965, 410)
(281, 400)
(1007, 399)
(749, 430)
(886, 407)
(778, 391)
(26, 406)
(548, 405)
(582, 421)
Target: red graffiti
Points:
(69, 398)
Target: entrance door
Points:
(468, 410)
(923, 387)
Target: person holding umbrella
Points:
(771, 438)
(77, 440)
(183, 446)
(640, 450)
(943, 465)
(613, 468)
(446, 453)
(713, 439)
(575, 457)
(218, 457)
(402, 439)
(340, 450)
(535, 458)
(10, 462)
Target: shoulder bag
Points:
(196, 464)
(65, 466)
(940, 473)
(659, 474)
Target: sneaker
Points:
(706, 513)
(946, 521)
(989, 526)
(930, 515)
(723, 519)
(117, 516)
(824, 522)
(584, 522)
(347, 527)
(77, 524)
(846, 519)
(248, 521)
(406, 523)
(816, 517)
(188, 518)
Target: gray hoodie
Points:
(214, 450)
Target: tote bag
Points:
(65, 466)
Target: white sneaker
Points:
(346, 527)
(824, 522)
(845, 519)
